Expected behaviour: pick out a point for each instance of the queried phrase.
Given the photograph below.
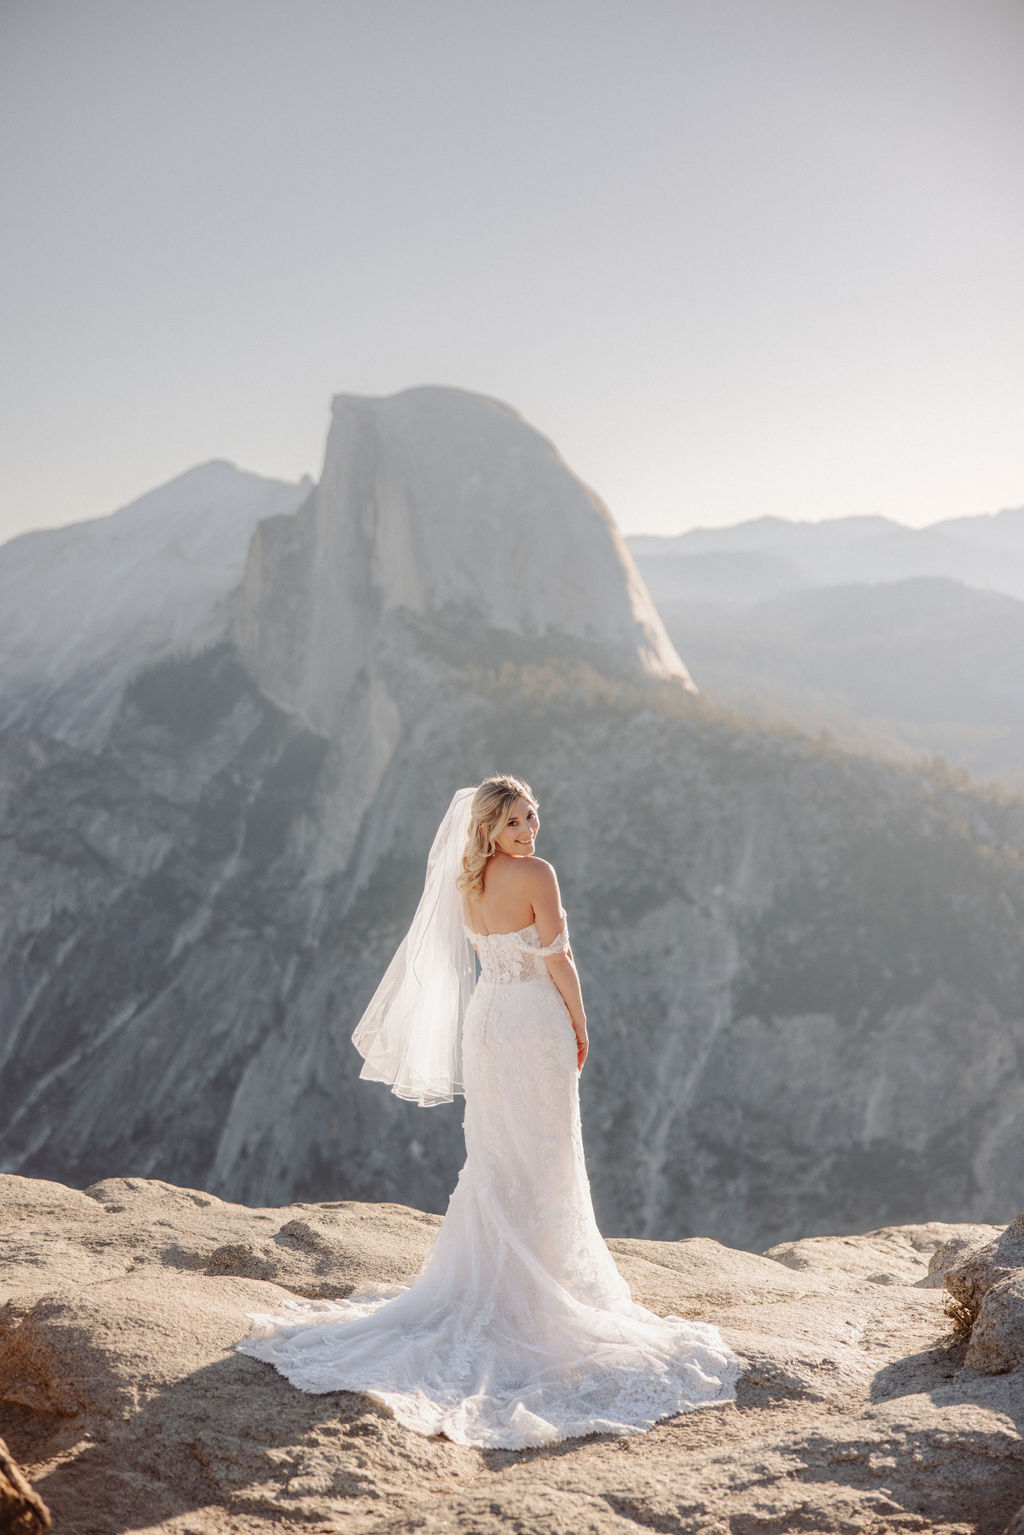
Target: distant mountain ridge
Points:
(755, 560)
(905, 641)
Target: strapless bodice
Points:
(518, 956)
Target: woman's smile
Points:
(519, 834)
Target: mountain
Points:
(757, 560)
(898, 640)
(82, 607)
(438, 514)
(803, 968)
(910, 668)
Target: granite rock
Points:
(128, 1407)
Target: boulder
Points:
(986, 1282)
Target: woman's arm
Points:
(562, 970)
(550, 919)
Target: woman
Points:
(519, 1329)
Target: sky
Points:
(733, 257)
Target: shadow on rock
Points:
(908, 1477)
(218, 1436)
(931, 1370)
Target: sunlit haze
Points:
(734, 257)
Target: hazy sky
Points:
(733, 256)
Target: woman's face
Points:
(519, 834)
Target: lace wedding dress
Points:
(519, 1330)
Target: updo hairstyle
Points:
(492, 806)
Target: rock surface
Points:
(124, 1401)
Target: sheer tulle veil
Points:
(410, 1036)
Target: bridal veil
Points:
(410, 1036)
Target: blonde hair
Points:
(492, 806)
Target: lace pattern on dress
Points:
(518, 956)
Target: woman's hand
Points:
(582, 1046)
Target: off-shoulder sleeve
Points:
(560, 943)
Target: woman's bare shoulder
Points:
(536, 874)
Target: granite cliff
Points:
(438, 512)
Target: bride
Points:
(519, 1330)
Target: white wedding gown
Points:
(519, 1330)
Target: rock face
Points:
(804, 970)
(122, 1397)
(83, 607)
(443, 509)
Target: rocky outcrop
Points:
(124, 1401)
(987, 1285)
